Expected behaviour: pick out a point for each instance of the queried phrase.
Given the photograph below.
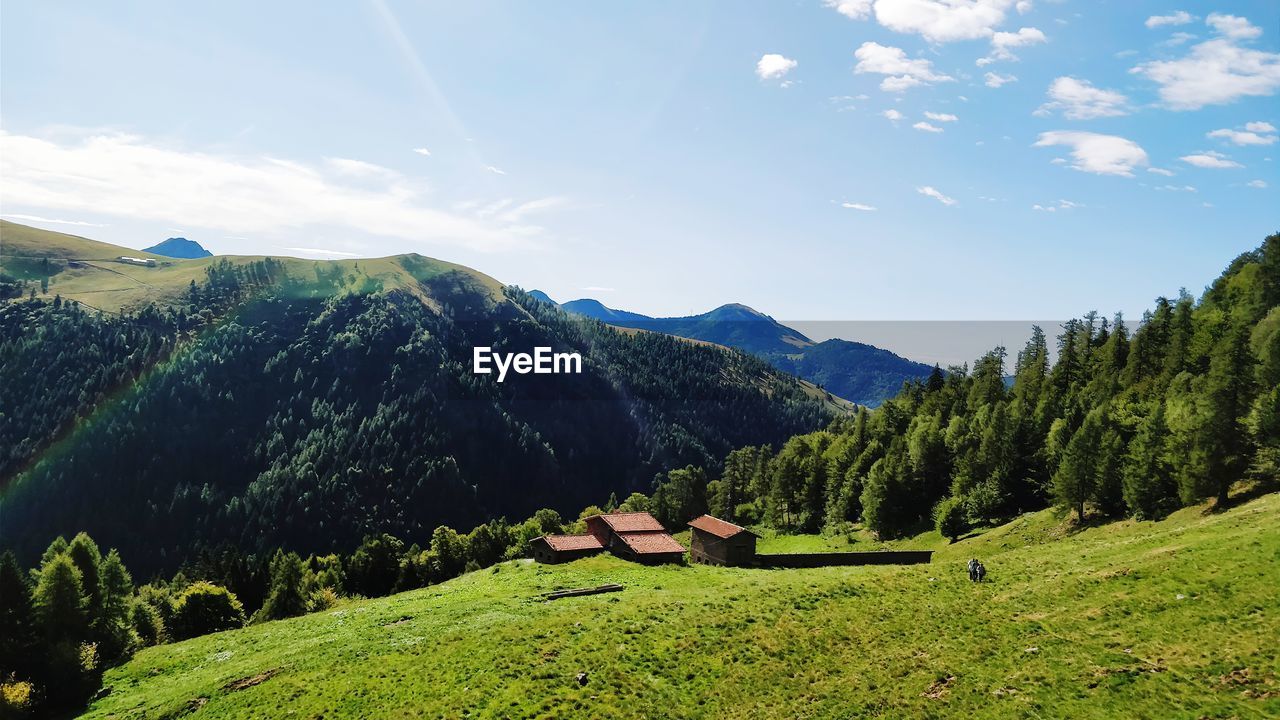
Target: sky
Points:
(856, 160)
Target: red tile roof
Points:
(561, 543)
(632, 522)
(648, 543)
(717, 527)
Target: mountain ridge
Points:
(343, 399)
(859, 372)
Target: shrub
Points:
(949, 518)
(323, 599)
(147, 623)
(205, 608)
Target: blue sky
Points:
(878, 160)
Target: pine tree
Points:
(1076, 480)
(60, 602)
(286, 597)
(114, 627)
(17, 620)
(1150, 491)
(1230, 389)
(84, 552)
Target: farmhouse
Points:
(718, 542)
(144, 262)
(553, 549)
(636, 536)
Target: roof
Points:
(716, 526)
(632, 522)
(561, 543)
(650, 543)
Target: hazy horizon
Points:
(824, 160)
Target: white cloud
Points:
(495, 170)
(773, 66)
(1260, 184)
(926, 127)
(893, 115)
(320, 251)
(1210, 160)
(932, 192)
(1234, 27)
(1097, 153)
(1002, 44)
(52, 221)
(942, 21)
(1217, 71)
(1175, 188)
(941, 117)
(852, 9)
(903, 72)
(597, 288)
(1161, 171)
(899, 83)
(857, 206)
(1080, 100)
(1059, 205)
(1179, 17)
(1178, 38)
(128, 176)
(358, 168)
(422, 151)
(1024, 7)
(995, 80)
(1255, 133)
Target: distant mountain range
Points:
(855, 371)
(181, 248)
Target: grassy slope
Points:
(1139, 620)
(85, 271)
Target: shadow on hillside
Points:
(1245, 491)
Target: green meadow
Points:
(1174, 619)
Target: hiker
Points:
(976, 571)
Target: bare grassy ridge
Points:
(85, 270)
(1138, 620)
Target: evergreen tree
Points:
(61, 606)
(1076, 481)
(1150, 491)
(84, 552)
(287, 597)
(1225, 436)
(114, 626)
(17, 620)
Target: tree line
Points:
(1126, 422)
(78, 611)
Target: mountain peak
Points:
(178, 247)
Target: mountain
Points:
(596, 309)
(179, 248)
(263, 402)
(855, 371)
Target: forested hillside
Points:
(276, 406)
(1129, 421)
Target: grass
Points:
(85, 270)
(1176, 619)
